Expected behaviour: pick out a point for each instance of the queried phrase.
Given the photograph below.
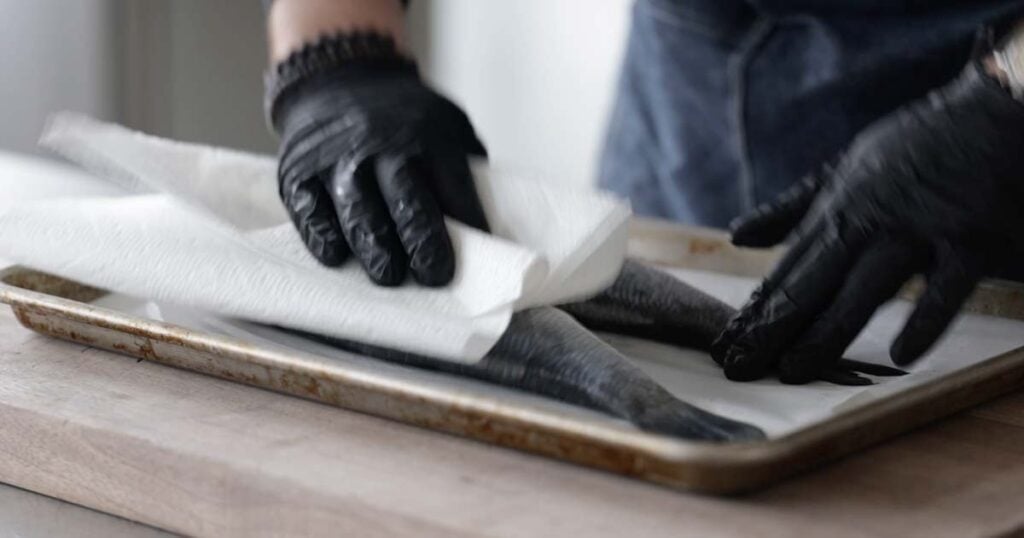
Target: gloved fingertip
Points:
(748, 231)
(328, 247)
(387, 271)
(722, 344)
(718, 351)
(948, 287)
(388, 278)
(904, 351)
(739, 375)
(436, 273)
(332, 257)
(431, 255)
(476, 147)
(738, 367)
(740, 232)
(796, 371)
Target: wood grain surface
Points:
(196, 455)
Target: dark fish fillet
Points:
(545, 351)
(648, 303)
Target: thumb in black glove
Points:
(371, 160)
(936, 187)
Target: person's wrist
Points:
(293, 24)
(339, 56)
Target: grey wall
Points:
(217, 61)
(189, 69)
(194, 70)
(54, 54)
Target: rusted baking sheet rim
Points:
(519, 424)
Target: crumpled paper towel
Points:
(203, 227)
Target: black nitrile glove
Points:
(935, 188)
(371, 160)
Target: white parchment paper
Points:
(692, 376)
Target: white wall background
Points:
(536, 76)
(54, 54)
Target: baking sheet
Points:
(692, 376)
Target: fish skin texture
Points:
(552, 352)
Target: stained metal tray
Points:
(62, 309)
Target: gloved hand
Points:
(937, 187)
(371, 159)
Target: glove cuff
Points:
(355, 51)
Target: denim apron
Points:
(724, 103)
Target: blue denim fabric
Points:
(722, 104)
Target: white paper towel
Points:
(25, 179)
(203, 227)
